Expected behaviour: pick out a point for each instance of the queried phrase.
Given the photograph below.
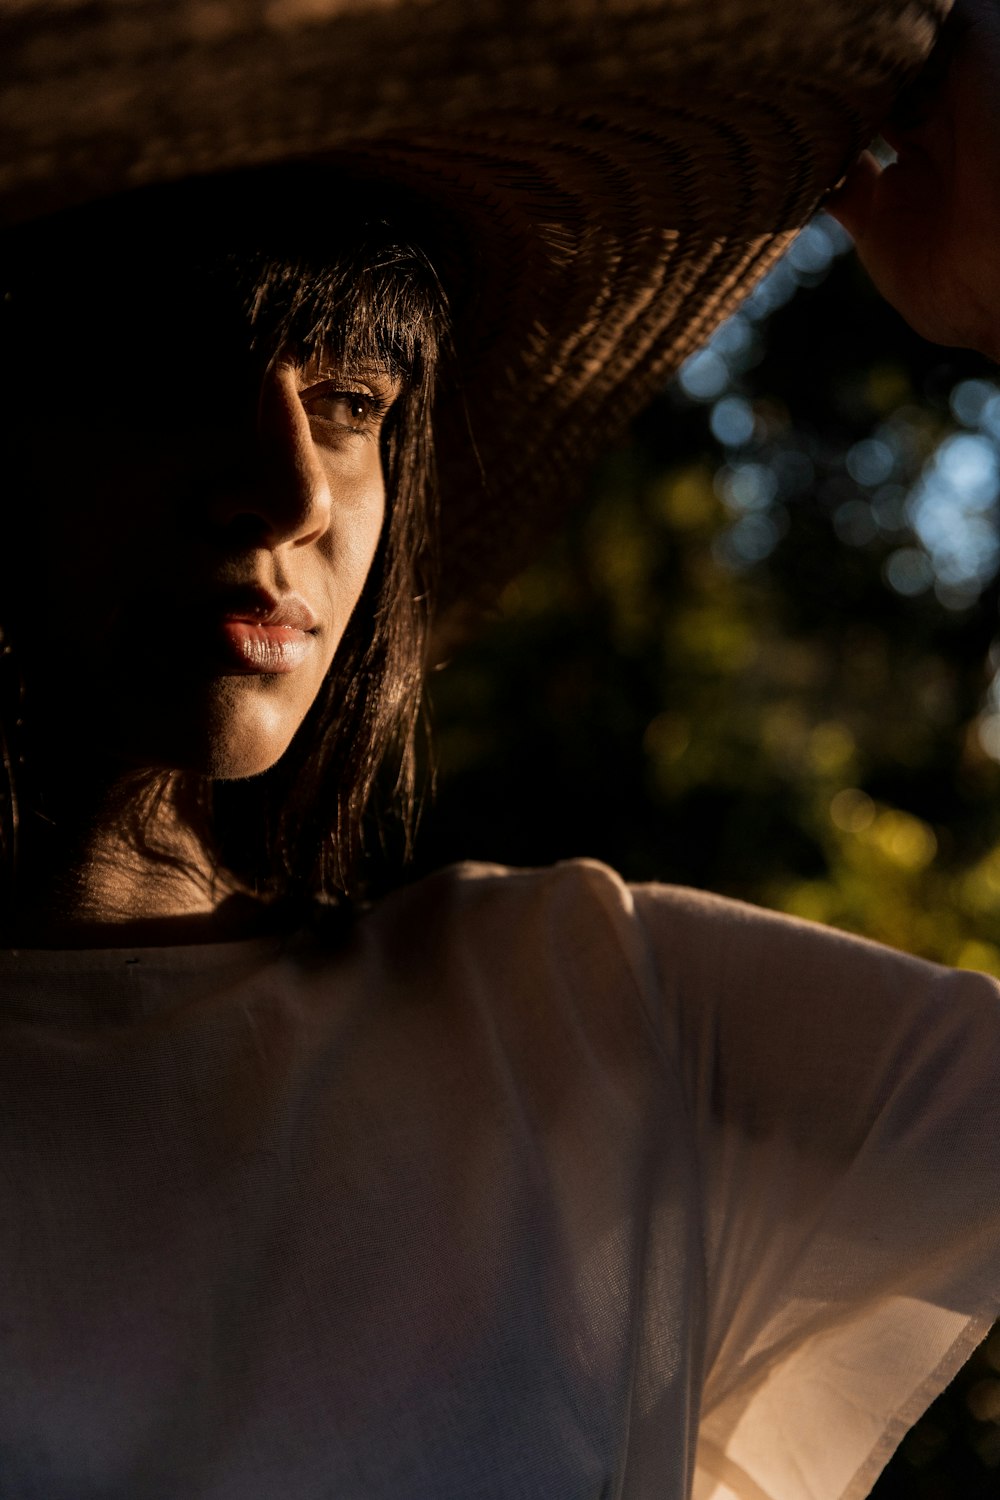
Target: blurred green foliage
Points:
(762, 660)
(712, 675)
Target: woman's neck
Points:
(122, 867)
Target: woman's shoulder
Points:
(584, 890)
(585, 917)
(480, 896)
(508, 913)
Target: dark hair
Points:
(301, 261)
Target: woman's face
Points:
(184, 577)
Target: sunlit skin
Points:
(142, 553)
(318, 509)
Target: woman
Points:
(511, 1183)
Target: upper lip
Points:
(258, 606)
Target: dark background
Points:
(765, 659)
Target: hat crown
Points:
(618, 174)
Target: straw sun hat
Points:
(613, 176)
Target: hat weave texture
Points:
(613, 176)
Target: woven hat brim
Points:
(618, 177)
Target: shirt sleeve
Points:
(844, 1103)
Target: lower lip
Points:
(263, 649)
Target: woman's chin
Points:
(242, 735)
(228, 762)
(228, 734)
(227, 727)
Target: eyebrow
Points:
(326, 369)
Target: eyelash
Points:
(374, 408)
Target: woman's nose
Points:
(283, 495)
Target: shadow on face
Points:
(195, 446)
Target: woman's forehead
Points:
(122, 292)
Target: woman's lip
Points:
(258, 606)
(251, 647)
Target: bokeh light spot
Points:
(969, 399)
(732, 421)
(908, 571)
(831, 748)
(902, 839)
(852, 811)
(747, 486)
(889, 509)
(738, 342)
(814, 250)
(969, 463)
(704, 376)
(686, 499)
(748, 541)
(870, 462)
(953, 511)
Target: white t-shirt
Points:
(537, 1187)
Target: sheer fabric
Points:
(535, 1186)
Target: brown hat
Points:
(619, 174)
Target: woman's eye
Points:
(357, 411)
